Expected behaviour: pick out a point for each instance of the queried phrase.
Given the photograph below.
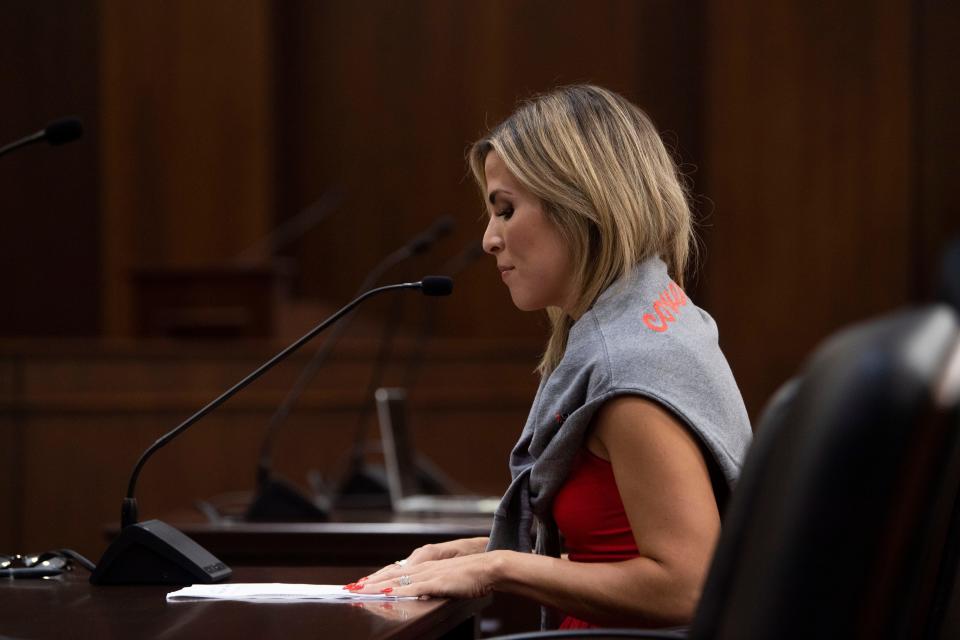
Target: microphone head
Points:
(63, 131)
(436, 285)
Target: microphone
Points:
(56, 133)
(154, 552)
(436, 285)
(278, 500)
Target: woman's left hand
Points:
(470, 576)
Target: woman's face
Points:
(532, 257)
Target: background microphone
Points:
(274, 498)
(56, 133)
(467, 256)
(153, 552)
(429, 476)
(359, 486)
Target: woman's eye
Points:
(505, 213)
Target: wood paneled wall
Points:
(820, 120)
(50, 251)
(820, 140)
(809, 138)
(74, 419)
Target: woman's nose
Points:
(492, 239)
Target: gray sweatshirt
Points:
(643, 337)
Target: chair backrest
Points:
(943, 622)
(838, 524)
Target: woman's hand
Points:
(467, 576)
(439, 551)
(445, 550)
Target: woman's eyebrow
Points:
(495, 192)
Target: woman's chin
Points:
(526, 303)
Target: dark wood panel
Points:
(50, 245)
(808, 163)
(937, 84)
(187, 174)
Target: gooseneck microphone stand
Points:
(153, 552)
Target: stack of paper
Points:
(273, 591)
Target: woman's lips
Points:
(504, 271)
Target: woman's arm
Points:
(665, 488)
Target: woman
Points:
(638, 430)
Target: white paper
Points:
(273, 591)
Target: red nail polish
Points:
(387, 590)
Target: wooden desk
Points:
(361, 538)
(70, 607)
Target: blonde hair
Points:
(606, 181)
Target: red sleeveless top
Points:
(590, 515)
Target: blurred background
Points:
(140, 278)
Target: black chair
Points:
(844, 522)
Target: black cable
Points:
(79, 558)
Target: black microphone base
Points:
(364, 487)
(153, 552)
(279, 501)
